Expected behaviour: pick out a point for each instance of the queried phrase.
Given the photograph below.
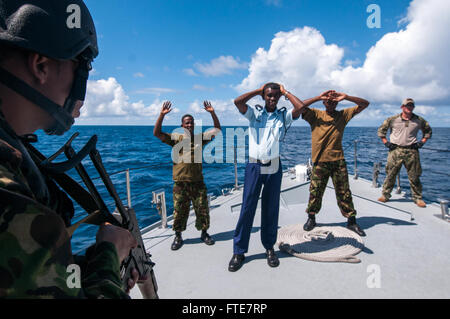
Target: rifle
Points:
(93, 203)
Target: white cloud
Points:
(138, 75)
(411, 62)
(200, 87)
(190, 72)
(425, 110)
(155, 91)
(220, 106)
(300, 59)
(107, 98)
(220, 66)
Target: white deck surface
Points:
(412, 257)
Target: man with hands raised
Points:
(187, 172)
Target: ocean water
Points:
(135, 147)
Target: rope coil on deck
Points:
(324, 244)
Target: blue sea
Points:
(135, 147)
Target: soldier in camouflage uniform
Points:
(404, 149)
(327, 130)
(44, 67)
(187, 173)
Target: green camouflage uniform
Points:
(327, 131)
(188, 183)
(183, 194)
(319, 179)
(410, 158)
(404, 155)
(35, 248)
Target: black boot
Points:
(272, 259)
(177, 242)
(352, 225)
(206, 238)
(236, 262)
(310, 223)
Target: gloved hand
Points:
(390, 146)
(418, 145)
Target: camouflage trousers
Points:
(319, 179)
(183, 194)
(411, 160)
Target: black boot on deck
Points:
(206, 238)
(352, 225)
(310, 223)
(177, 242)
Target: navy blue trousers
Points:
(270, 204)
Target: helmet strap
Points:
(62, 118)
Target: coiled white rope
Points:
(324, 243)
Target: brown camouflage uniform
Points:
(404, 155)
(183, 194)
(188, 185)
(319, 179)
(35, 248)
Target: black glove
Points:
(417, 145)
(390, 146)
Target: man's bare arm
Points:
(362, 103)
(306, 103)
(241, 101)
(166, 108)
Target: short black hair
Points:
(186, 115)
(271, 85)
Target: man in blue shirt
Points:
(267, 126)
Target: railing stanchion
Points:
(236, 186)
(127, 174)
(356, 160)
(376, 172)
(444, 209)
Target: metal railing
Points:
(444, 209)
(159, 199)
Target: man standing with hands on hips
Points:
(267, 126)
(404, 149)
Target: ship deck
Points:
(409, 257)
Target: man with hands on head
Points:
(404, 149)
(187, 172)
(327, 130)
(267, 127)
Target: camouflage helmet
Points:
(58, 29)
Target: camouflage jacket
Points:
(36, 260)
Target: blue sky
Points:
(190, 51)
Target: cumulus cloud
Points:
(155, 91)
(220, 106)
(218, 66)
(107, 98)
(411, 62)
(190, 72)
